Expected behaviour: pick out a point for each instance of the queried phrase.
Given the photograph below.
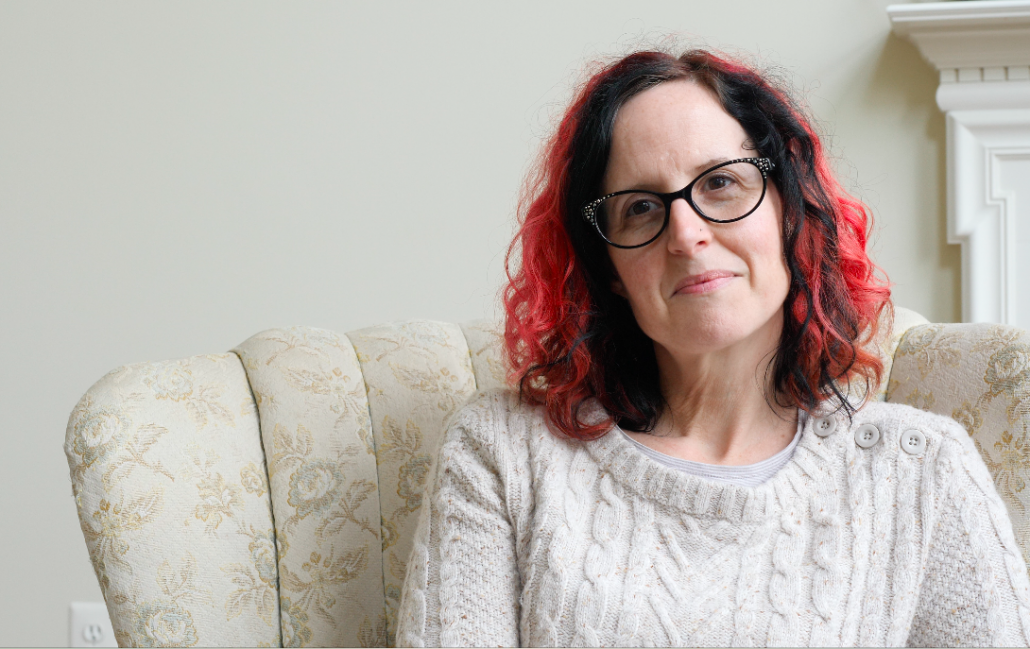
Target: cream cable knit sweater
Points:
(531, 539)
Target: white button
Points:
(824, 426)
(912, 441)
(867, 435)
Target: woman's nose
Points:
(688, 232)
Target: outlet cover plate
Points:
(89, 625)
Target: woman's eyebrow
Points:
(697, 169)
(708, 164)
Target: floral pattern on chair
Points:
(485, 348)
(154, 452)
(419, 373)
(337, 436)
(315, 426)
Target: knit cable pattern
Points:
(538, 540)
(827, 581)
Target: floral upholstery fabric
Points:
(484, 345)
(904, 319)
(169, 481)
(978, 374)
(418, 374)
(168, 464)
(317, 437)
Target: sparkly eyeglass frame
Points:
(765, 165)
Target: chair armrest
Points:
(170, 485)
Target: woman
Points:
(680, 463)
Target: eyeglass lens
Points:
(722, 194)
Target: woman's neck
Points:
(721, 407)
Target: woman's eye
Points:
(715, 183)
(641, 207)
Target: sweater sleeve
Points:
(462, 583)
(975, 590)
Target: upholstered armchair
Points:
(268, 496)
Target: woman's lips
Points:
(703, 283)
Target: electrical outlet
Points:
(89, 625)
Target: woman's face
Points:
(663, 139)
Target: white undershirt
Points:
(748, 475)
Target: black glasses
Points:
(727, 192)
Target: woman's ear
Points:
(619, 288)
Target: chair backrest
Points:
(350, 427)
(269, 495)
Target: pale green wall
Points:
(175, 177)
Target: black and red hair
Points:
(569, 339)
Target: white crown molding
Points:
(998, 95)
(982, 53)
(914, 16)
(971, 35)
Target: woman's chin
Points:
(717, 331)
(694, 340)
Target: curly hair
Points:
(569, 339)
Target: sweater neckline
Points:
(699, 496)
(754, 473)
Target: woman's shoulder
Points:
(898, 416)
(497, 426)
(934, 439)
(897, 419)
(955, 482)
(497, 410)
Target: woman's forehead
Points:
(678, 126)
